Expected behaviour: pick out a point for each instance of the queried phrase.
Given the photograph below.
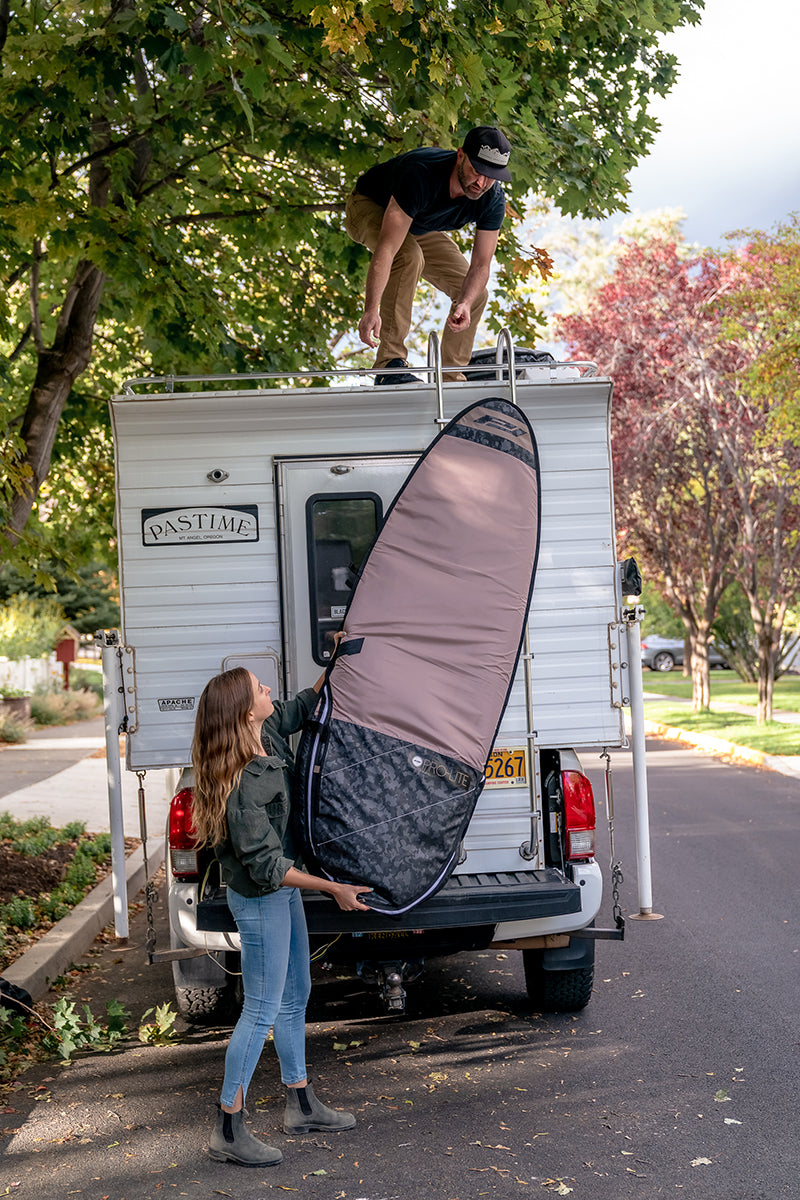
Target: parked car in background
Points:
(662, 654)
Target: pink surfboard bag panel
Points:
(392, 762)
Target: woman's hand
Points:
(346, 896)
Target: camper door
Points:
(329, 511)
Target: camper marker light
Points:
(182, 848)
(579, 815)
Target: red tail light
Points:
(579, 815)
(182, 849)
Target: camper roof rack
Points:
(331, 376)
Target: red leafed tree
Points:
(705, 483)
(653, 327)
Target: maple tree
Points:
(760, 447)
(702, 487)
(763, 310)
(173, 176)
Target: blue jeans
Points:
(277, 982)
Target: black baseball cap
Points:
(488, 151)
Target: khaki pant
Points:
(431, 256)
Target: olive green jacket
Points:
(259, 850)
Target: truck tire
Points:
(204, 993)
(557, 991)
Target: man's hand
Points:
(369, 328)
(459, 318)
(475, 281)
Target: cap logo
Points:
(493, 155)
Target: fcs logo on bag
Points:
(439, 770)
(504, 426)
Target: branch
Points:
(36, 321)
(203, 218)
(21, 344)
(4, 20)
(180, 171)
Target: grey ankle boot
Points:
(305, 1112)
(232, 1141)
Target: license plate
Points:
(508, 768)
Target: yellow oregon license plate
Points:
(508, 768)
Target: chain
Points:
(615, 865)
(150, 892)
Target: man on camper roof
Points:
(401, 210)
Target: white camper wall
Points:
(192, 599)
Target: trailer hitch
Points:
(390, 977)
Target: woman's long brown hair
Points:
(224, 742)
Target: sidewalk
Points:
(66, 766)
(78, 792)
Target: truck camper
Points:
(245, 506)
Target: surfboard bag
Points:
(391, 764)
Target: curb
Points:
(72, 936)
(706, 741)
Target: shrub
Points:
(74, 829)
(29, 827)
(20, 912)
(86, 681)
(53, 906)
(80, 873)
(38, 843)
(60, 708)
(13, 731)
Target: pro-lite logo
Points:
(440, 770)
(502, 424)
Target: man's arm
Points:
(394, 229)
(476, 277)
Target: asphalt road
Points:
(679, 1079)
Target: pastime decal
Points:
(199, 523)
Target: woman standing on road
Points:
(243, 768)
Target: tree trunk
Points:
(766, 676)
(701, 683)
(58, 368)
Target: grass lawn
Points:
(773, 738)
(726, 688)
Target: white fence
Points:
(26, 674)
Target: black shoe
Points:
(400, 377)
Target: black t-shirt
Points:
(420, 183)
